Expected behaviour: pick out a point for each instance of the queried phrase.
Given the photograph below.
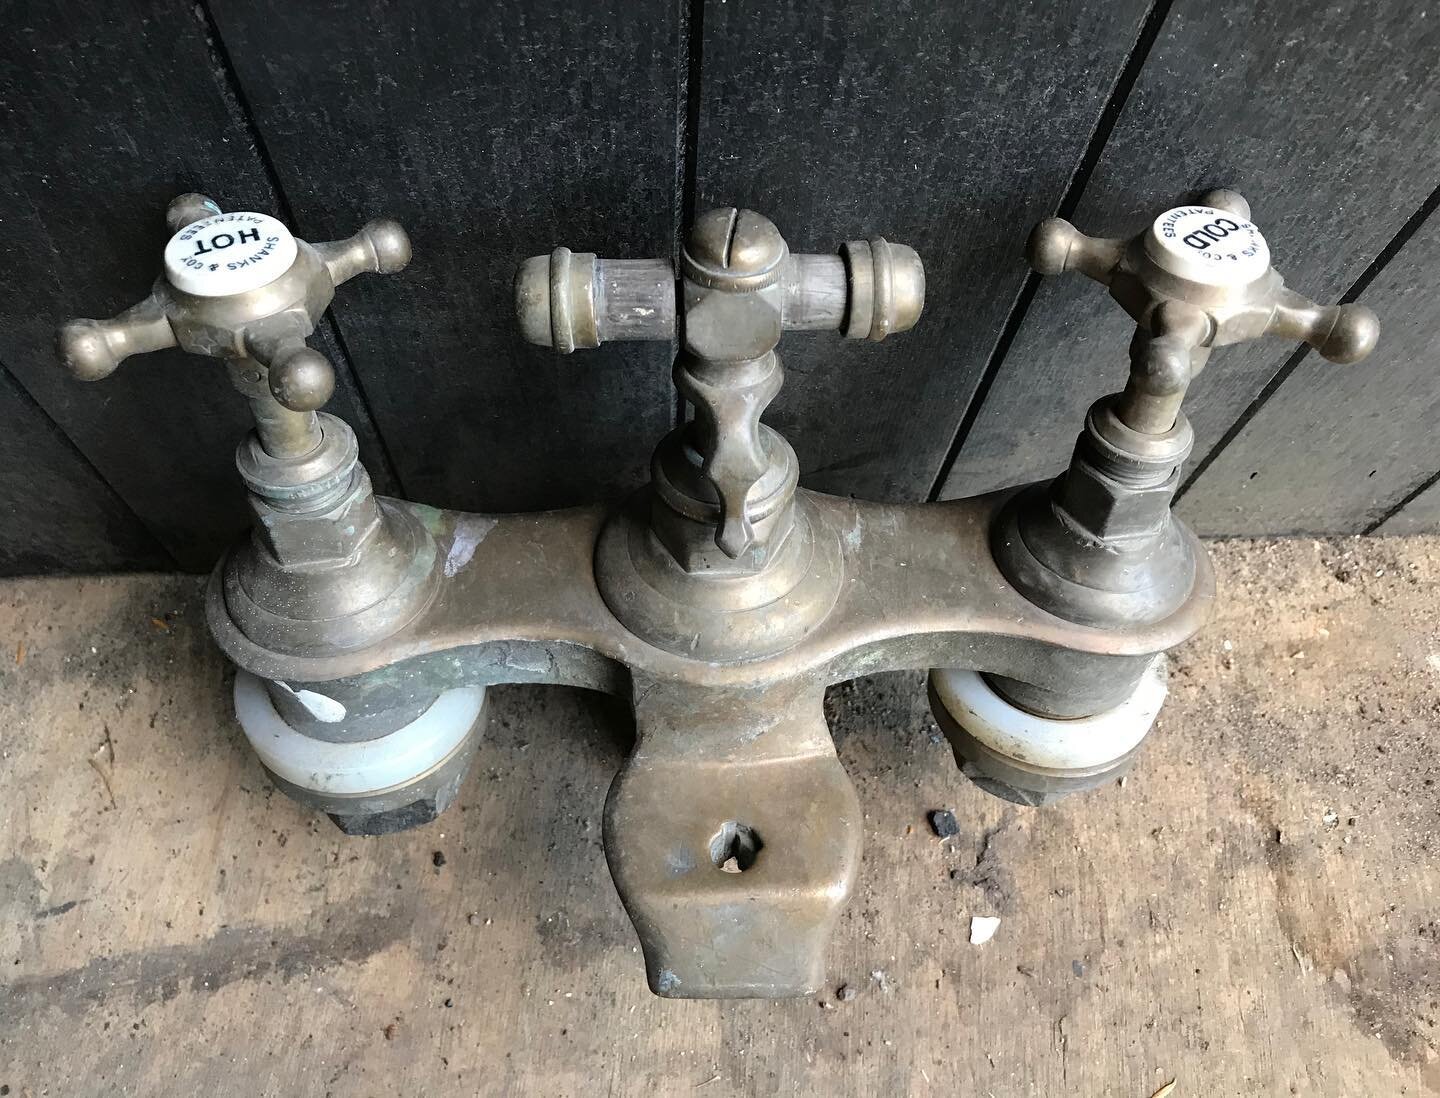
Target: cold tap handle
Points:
(1197, 278)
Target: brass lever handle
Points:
(240, 287)
(1198, 278)
(738, 289)
(575, 300)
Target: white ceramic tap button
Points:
(229, 254)
(1206, 245)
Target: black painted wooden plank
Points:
(1420, 515)
(110, 110)
(1335, 449)
(949, 127)
(56, 514)
(492, 132)
(1326, 117)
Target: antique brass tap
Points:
(721, 599)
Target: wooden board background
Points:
(1255, 913)
(1328, 120)
(498, 131)
(492, 132)
(922, 122)
(1343, 447)
(112, 109)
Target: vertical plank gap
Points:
(9, 379)
(1409, 498)
(692, 43)
(1104, 126)
(1368, 275)
(220, 55)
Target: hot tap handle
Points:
(238, 285)
(93, 349)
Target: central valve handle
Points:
(240, 287)
(1198, 278)
(739, 289)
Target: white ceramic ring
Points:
(368, 766)
(1083, 743)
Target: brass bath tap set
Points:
(721, 598)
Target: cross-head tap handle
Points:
(1198, 277)
(240, 287)
(738, 289)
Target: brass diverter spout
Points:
(721, 599)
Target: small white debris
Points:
(1330, 818)
(983, 928)
(1306, 966)
(1227, 645)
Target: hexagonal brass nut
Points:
(328, 536)
(1108, 510)
(728, 326)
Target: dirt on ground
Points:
(1256, 911)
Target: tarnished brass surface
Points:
(720, 600)
(919, 589)
(721, 743)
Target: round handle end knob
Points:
(532, 300)
(555, 300)
(907, 294)
(1354, 335)
(85, 350)
(1050, 246)
(302, 380)
(1159, 366)
(1227, 200)
(391, 244)
(886, 291)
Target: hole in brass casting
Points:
(735, 847)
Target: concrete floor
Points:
(1257, 911)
